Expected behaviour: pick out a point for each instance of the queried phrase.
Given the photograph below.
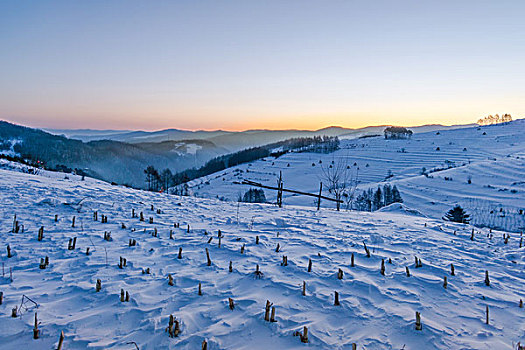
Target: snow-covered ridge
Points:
(492, 157)
(376, 311)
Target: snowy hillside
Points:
(376, 311)
(493, 157)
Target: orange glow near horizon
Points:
(294, 123)
(158, 120)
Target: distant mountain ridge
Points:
(110, 160)
(233, 140)
(122, 155)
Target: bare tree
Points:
(336, 177)
(351, 187)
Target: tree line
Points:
(495, 119)
(397, 133)
(161, 181)
(371, 200)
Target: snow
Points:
(11, 151)
(376, 311)
(495, 162)
(400, 208)
(189, 148)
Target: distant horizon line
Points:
(231, 131)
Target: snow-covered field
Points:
(493, 157)
(376, 311)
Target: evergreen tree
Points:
(396, 196)
(152, 178)
(369, 196)
(360, 201)
(166, 178)
(387, 195)
(254, 195)
(370, 200)
(457, 214)
(378, 199)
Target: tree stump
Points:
(258, 273)
(419, 326)
(366, 250)
(60, 341)
(304, 336)
(36, 331)
(267, 311)
(208, 257)
(272, 317)
(173, 327)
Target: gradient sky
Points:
(259, 64)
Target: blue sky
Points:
(259, 64)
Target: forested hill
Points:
(112, 161)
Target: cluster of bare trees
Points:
(496, 119)
(156, 181)
(397, 133)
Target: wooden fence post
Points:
(319, 199)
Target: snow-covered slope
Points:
(492, 156)
(376, 311)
